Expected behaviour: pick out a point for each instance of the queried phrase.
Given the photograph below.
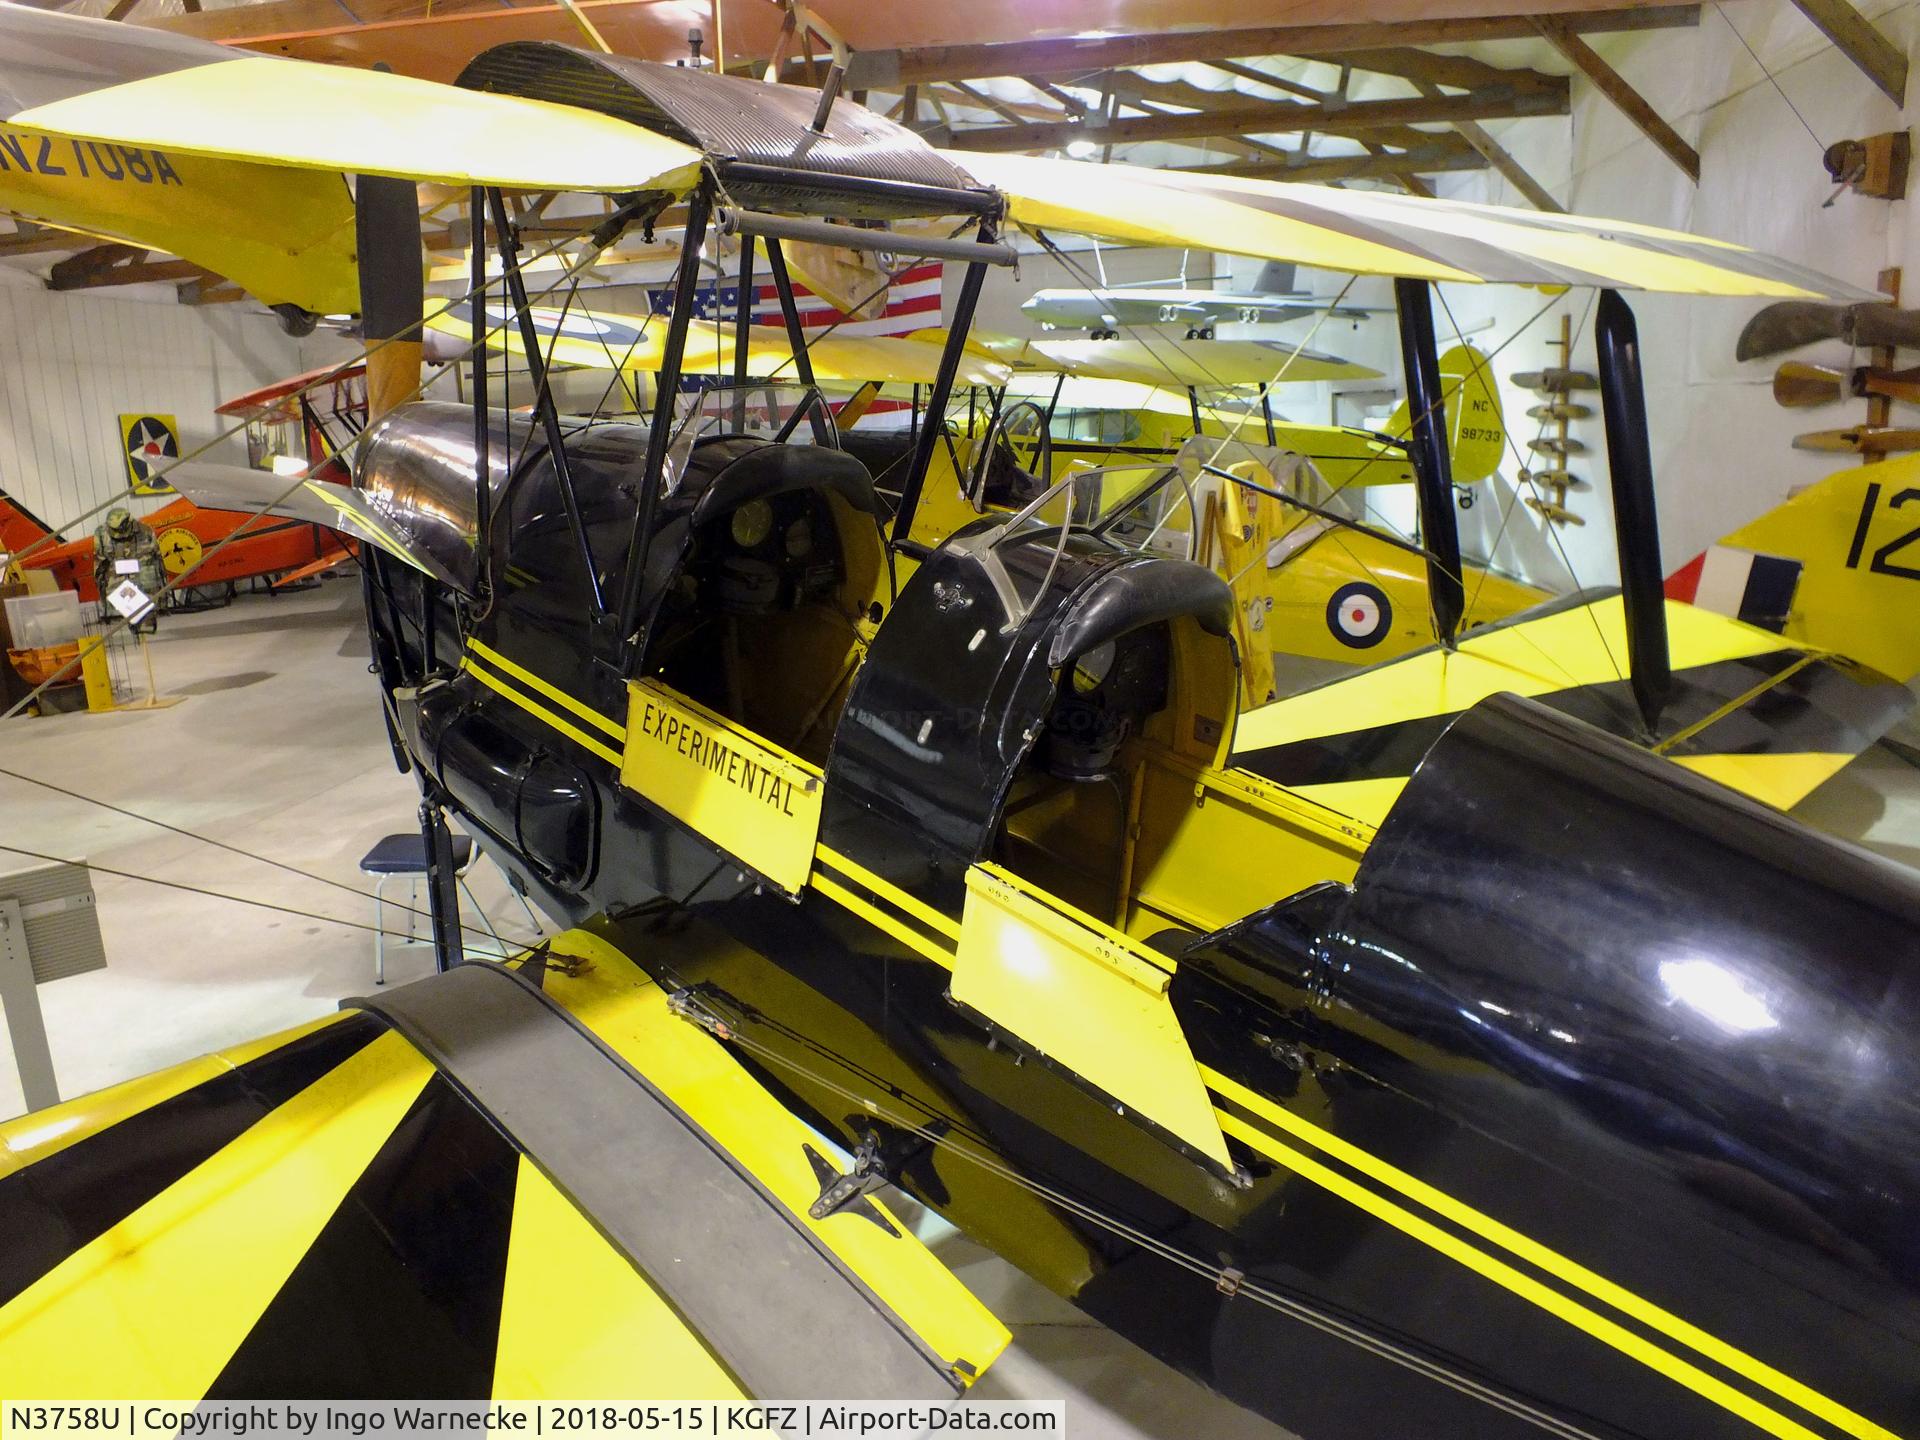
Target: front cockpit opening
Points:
(782, 579)
(1074, 799)
(1143, 684)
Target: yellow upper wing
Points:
(64, 75)
(1369, 233)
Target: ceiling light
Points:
(1081, 149)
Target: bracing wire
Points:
(241, 531)
(187, 834)
(695, 1007)
(1553, 533)
(1771, 79)
(219, 894)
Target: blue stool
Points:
(407, 855)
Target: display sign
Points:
(151, 443)
(130, 600)
(755, 801)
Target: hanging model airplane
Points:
(1570, 1095)
(1104, 310)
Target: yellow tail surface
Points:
(1856, 537)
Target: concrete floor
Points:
(278, 749)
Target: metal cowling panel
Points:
(731, 119)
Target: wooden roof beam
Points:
(106, 265)
(1130, 84)
(1424, 67)
(1261, 77)
(30, 239)
(1611, 83)
(921, 64)
(1501, 159)
(209, 290)
(1268, 119)
(1883, 63)
(1444, 156)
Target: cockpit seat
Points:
(750, 471)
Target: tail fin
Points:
(1837, 567)
(19, 526)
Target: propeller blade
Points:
(1556, 382)
(1557, 479)
(1788, 325)
(1875, 326)
(1792, 323)
(1558, 514)
(1861, 440)
(1798, 385)
(1894, 384)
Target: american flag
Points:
(913, 303)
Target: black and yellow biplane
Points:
(1568, 1090)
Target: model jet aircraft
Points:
(1573, 1096)
(1104, 310)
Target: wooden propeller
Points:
(1798, 385)
(1860, 440)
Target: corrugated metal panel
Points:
(735, 119)
(70, 365)
(62, 923)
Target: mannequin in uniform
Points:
(123, 537)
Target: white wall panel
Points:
(1722, 449)
(71, 364)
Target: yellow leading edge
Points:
(368, 122)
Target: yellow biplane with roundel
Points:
(1465, 1047)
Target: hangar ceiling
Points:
(1367, 92)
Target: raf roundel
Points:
(1359, 615)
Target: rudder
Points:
(1837, 567)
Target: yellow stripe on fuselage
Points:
(172, 1290)
(1498, 661)
(535, 708)
(1551, 1261)
(611, 728)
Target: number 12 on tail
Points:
(1881, 562)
